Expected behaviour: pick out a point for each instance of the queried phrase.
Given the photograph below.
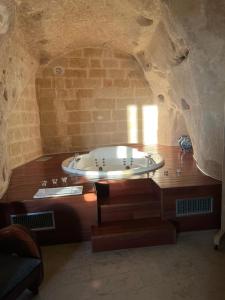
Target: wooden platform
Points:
(74, 215)
(149, 196)
(132, 234)
(166, 185)
(126, 200)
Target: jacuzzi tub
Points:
(112, 162)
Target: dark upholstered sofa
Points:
(20, 262)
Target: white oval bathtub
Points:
(112, 162)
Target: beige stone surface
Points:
(186, 55)
(190, 270)
(179, 46)
(23, 133)
(17, 67)
(86, 102)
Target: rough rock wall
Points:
(203, 88)
(23, 130)
(184, 63)
(178, 44)
(100, 97)
(16, 68)
(56, 27)
(203, 24)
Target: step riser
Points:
(133, 240)
(130, 199)
(120, 213)
(129, 187)
(131, 191)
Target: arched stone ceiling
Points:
(180, 45)
(53, 27)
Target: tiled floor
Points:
(191, 269)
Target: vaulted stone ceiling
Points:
(53, 27)
(180, 45)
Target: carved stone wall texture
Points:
(179, 46)
(96, 96)
(17, 67)
(197, 77)
(24, 139)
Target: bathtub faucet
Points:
(150, 159)
(76, 156)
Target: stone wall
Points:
(194, 73)
(17, 67)
(24, 139)
(97, 98)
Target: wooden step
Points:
(132, 234)
(129, 207)
(124, 187)
(114, 188)
(125, 200)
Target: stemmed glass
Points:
(54, 181)
(76, 155)
(64, 180)
(43, 185)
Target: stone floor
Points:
(191, 269)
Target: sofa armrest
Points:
(18, 239)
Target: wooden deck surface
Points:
(74, 215)
(189, 174)
(26, 179)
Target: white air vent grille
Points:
(35, 221)
(194, 206)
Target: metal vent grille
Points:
(194, 206)
(35, 221)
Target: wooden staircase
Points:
(129, 215)
(129, 207)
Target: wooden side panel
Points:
(73, 217)
(196, 222)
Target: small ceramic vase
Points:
(185, 143)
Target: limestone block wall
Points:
(23, 130)
(98, 96)
(17, 66)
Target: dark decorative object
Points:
(185, 143)
(184, 104)
(179, 59)
(143, 21)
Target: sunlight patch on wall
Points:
(150, 124)
(132, 123)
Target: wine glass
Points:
(44, 183)
(54, 181)
(76, 155)
(64, 180)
